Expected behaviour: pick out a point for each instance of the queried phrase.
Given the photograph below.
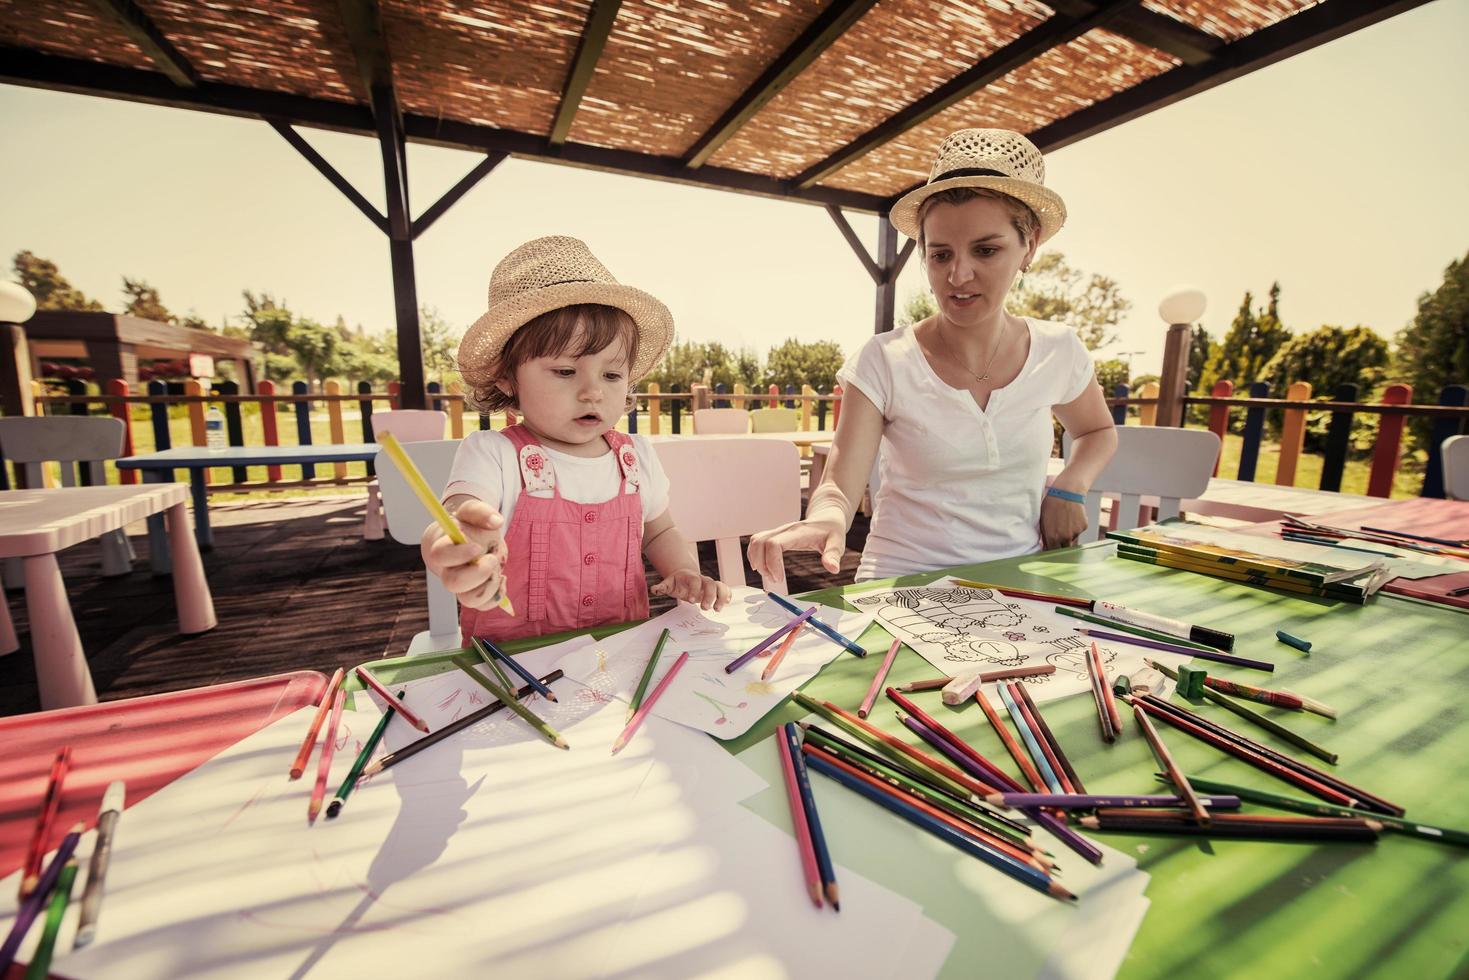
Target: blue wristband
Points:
(1075, 498)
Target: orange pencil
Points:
(1107, 697)
(328, 749)
(392, 702)
(50, 804)
(779, 655)
(307, 744)
(798, 817)
(1027, 768)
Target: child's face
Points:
(568, 401)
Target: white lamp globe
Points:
(1183, 304)
(16, 303)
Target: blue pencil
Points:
(813, 821)
(820, 627)
(755, 650)
(1022, 873)
(514, 665)
(1036, 753)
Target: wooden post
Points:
(17, 394)
(303, 426)
(120, 410)
(1174, 382)
(1148, 414)
(701, 397)
(738, 401)
(1441, 430)
(1338, 439)
(1249, 453)
(1292, 434)
(197, 430)
(1119, 412)
(266, 390)
(395, 390)
(1219, 417)
(774, 392)
(334, 424)
(1388, 450)
(655, 409)
(807, 394)
(456, 410)
(234, 426)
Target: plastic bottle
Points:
(214, 430)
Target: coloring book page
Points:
(702, 695)
(963, 630)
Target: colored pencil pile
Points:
(816, 864)
(1108, 719)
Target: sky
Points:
(1338, 173)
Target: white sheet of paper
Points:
(702, 695)
(961, 630)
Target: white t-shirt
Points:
(486, 466)
(961, 484)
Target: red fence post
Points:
(395, 391)
(1389, 446)
(266, 390)
(1219, 417)
(774, 396)
(122, 411)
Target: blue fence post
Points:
(303, 426)
(1338, 439)
(720, 390)
(790, 402)
(434, 388)
(484, 421)
(821, 405)
(78, 388)
(1249, 452)
(1441, 430)
(1119, 412)
(233, 424)
(364, 411)
(675, 409)
(632, 417)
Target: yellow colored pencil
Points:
(436, 510)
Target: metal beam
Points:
(872, 267)
(588, 50)
(1158, 31)
(1057, 31)
(819, 35)
(452, 195)
(330, 173)
(141, 30)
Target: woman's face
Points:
(972, 253)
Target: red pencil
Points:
(968, 782)
(992, 771)
(1107, 697)
(798, 818)
(328, 749)
(648, 702)
(50, 804)
(307, 744)
(392, 702)
(878, 678)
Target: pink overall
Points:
(572, 566)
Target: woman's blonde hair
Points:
(1022, 218)
(553, 334)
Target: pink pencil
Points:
(309, 743)
(328, 749)
(882, 675)
(648, 703)
(798, 817)
(393, 703)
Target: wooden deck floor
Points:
(295, 587)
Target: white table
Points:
(36, 524)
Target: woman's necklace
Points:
(980, 378)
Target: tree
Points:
(50, 288)
(1328, 357)
(1111, 373)
(920, 306)
(143, 301)
(439, 342)
(1200, 348)
(691, 363)
(1433, 350)
(1053, 290)
(1253, 338)
(798, 363)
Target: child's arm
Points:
(471, 570)
(675, 559)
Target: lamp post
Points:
(16, 307)
(1180, 308)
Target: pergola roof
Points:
(835, 103)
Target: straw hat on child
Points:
(997, 159)
(547, 274)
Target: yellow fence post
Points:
(737, 400)
(455, 404)
(655, 409)
(807, 393)
(334, 422)
(1148, 414)
(1292, 434)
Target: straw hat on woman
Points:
(961, 403)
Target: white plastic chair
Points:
(721, 421)
(1171, 464)
(723, 489)
(406, 425)
(1455, 453)
(406, 519)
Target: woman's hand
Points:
(1061, 522)
(828, 536)
(472, 571)
(689, 586)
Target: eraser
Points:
(1191, 682)
(1295, 641)
(1122, 685)
(960, 689)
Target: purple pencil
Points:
(1077, 801)
(1142, 641)
(37, 900)
(758, 648)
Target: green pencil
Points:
(368, 748)
(489, 658)
(40, 966)
(1282, 802)
(637, 698)
(1112, 624)
(508, 699)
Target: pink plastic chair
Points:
(723, 489)
(406, 425)
(721, 421)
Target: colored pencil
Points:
(988, 771)
(1417, 537)
(453, 728)
(1456, 593)
(491, 662)
(878, 678)
(773, 664)
(648, 702)
(1068, 775)
(1234, 825)
(45, 817)
(1214, 655)
(508, 700)
(1026, 593)
(1147, 634)
(648, 668)
(517, 668)
(1289, 700)
(1081, 801)
(40, 965)
(760, 647)
(368, 748)
(820, 627)
(1175, 774)
(813, 819)
(113, 802)
(309, 742)
(1027, 768)
(798, 820)
(947, 749)
(1099, 687)
(934, 683)
(324, 761)
(1018, 870)
(392, 702)
(413, 476)
(31, 906)
(1031, 740)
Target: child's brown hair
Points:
(552, 335)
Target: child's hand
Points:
(472, 571)
(690, 586)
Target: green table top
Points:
(1398, 672)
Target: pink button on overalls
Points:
(572, 566)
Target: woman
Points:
(962, 401)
